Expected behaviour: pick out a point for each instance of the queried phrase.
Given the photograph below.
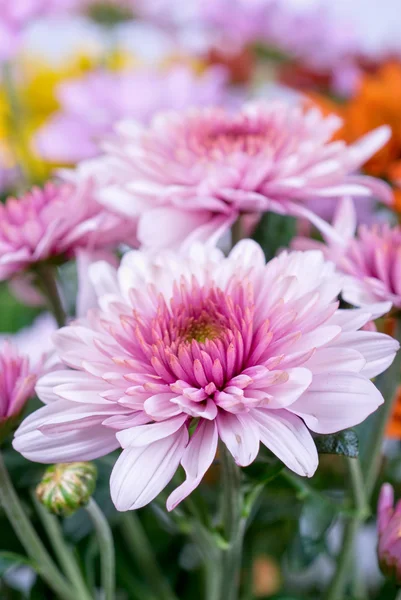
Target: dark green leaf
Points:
(274, 232)
(344, 443)
(13, 314)
(309, 542)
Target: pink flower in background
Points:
(189, 175)
(389, 530)
(17, 382)
(371, 260)
(53, 221)
(90, 105)
(243, 351)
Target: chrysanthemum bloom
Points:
(54, 222)
(190, 174)
(17, 385)
(225, 348)
(371, 260)
(73, 133)
(389, 530)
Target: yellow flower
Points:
(37, 82)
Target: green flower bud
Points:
(66, 487)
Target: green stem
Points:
(212, 560)
(398, 596)
(237, 231)
(234, 522)
(106, 548)
(142, 552)
(48, 283)
(63, 553)
(360, 501)
(29, 538)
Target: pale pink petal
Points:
(378, 349)
(196, 459)
(142, 472)
(336, 401)
(241, 436)
(288, 438)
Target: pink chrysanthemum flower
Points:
(389, 530)
(55, 221)
(242, 351)
(371, 260)
(191, 174)
(17, 384)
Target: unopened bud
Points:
(66, 487)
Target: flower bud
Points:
(389, 530)
(66, 487)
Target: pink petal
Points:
(241, 436)
(288, 438)
(142, 472)
(142, 435)
(336, 401)
(197, 458)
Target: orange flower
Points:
(394, 423)
(376, 102)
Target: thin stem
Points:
(342, 572)
(398, 596)
(29, 538)
(212, 560)
(48, 284)
(237, 231)
(234, 525)
(62, 551)
(106, 548)
(142, 552)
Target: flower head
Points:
(53, 222)
(175, 88)
(189, 175)
(186, 349)
(371, 260)
(389, 526)
(17, 384)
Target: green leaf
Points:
(344, 443)
(13, 314)
(274, 232)
(9, 560)
(310, 540)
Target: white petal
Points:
(241, 436)
(141, 473)
(197, 458)
(288, 438)
(336, 401)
